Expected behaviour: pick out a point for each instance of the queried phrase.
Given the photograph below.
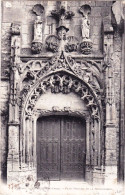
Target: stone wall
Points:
(4, 120)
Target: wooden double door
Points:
(61, 147)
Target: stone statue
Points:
(38, 26)
(37, 42)
(85, 10)
(85, 27)
(86, 44)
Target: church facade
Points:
(62, 83)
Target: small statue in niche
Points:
(85, 28)
(85, 10)
(38, 29)
(37, 44)
(86, 44)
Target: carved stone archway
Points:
(61, 74)
(66, 83)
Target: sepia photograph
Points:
(62, 97)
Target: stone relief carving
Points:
(86, 47)
(52, 43)
(82, 69)
(61, 14)
(60, 40)
(72, 44)
(64, 84)
(62, 111)
(36, 47)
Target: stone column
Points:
(110, 130)
(34, 135)
(87, 141)
(30, 142)
(13, 165)
(123, 100)
(88, 150)
(122, 108)
(13, 152)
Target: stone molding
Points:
(58, 111)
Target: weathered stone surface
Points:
(101, 3)
(96, 11)
(117, 9)
(106, 43)
(4, 119)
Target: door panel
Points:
(72, 148)
(48, 148)
(60, 148)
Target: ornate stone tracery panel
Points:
(63, 83)
(89, 71)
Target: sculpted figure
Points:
(38, 30)
(85, 10)
(37, 42)
(85, 27)
(86, 44)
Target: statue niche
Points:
(37, 44)
(85, 27)
(86, 44)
